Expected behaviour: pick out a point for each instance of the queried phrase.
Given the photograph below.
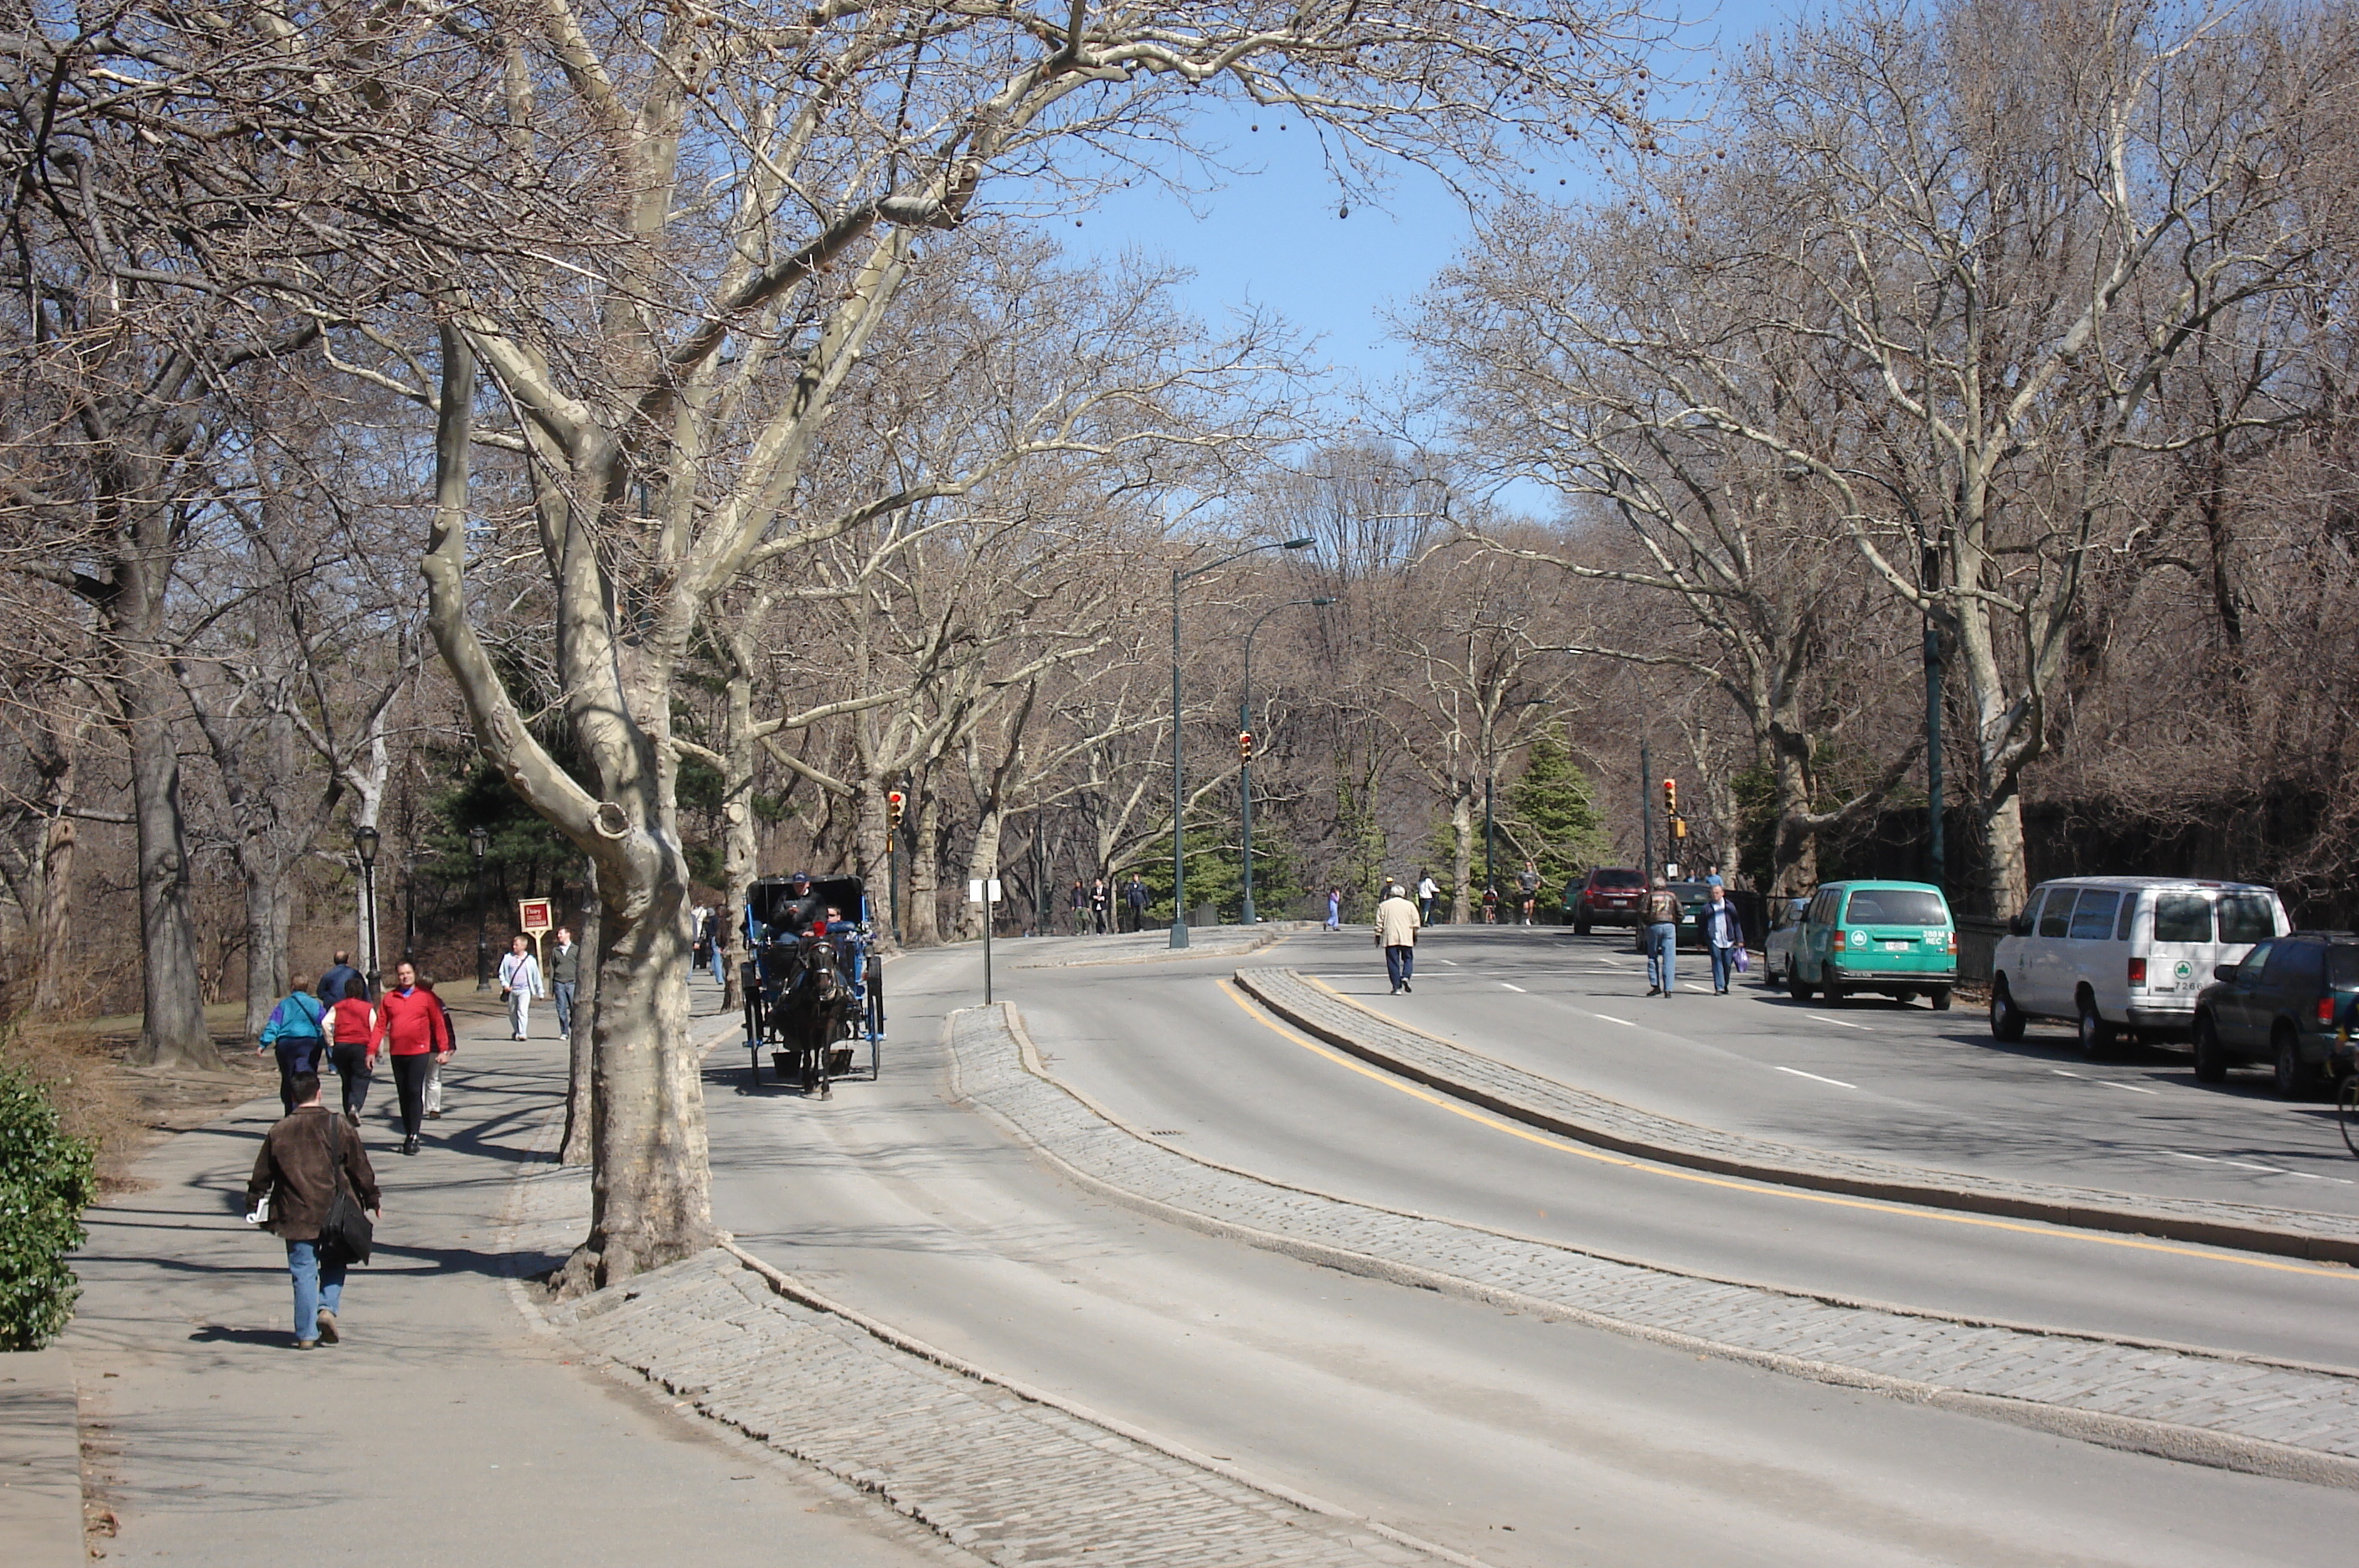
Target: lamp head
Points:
(1322, 601)
(1298, 544)
(365, 842)
(479, 842)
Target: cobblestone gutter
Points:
(1593, 1119)
(2209, 1407)
(1009, 1474)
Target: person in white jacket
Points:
(520, 984)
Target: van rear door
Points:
(2179, 952)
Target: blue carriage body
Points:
(775, 954)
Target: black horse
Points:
(812, 1010)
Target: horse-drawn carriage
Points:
(814, 988)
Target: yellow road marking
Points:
(1547, 1140)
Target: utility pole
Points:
(1646, 812)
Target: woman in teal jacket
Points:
(295, 1033)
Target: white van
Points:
(2124, 953)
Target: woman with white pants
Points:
(520, 984)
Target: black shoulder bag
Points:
(346, 1232)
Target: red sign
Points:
(534, 918)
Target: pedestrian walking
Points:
(1490, 904)
(520, 984)
(1100, 901)
(1396, 926)
(1662, 939)
(1712, 878)
(338, 976)
(411, 1030)
(294, 1031)
(1724, 934)
(1334, 908)
(433, 1091)
(564, 974)
(1134, 895)
(304, 1158)
(1427, 890)
(1527, 889)
(1080, 907)
(351, 1026)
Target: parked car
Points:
(1893, 937)
(1777, 948)
(1608, 896)
(2279, 1005)
(2124, 953)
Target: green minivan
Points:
(1893, 937)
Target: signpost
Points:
(978, 892)
(534, 918)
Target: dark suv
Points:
(2280, 1005)
(1608, 896)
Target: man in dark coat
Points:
(296, 1171)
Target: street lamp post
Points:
(479, 844)
(1178, 769)
(365, 843)
(1245, 751)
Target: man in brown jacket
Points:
(296, 1171)
(1396, 934)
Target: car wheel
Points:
(2007, 1019)
(2211, 1061)
(1796, 987)
(2294, 1076)
(2096, 1034)
(1580, 928)
(1904, 996)
(1833, 990)
(1940, 996)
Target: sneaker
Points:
(305, 1344)
(353, 1117)
(433, 1116)
(1406, 987)
(327, 1334)
(409, 1146)
(1654, 990)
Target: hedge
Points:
(47, 1179)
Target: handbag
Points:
(1742, 964)
(346, 1232)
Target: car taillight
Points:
(2325, 1010)
(1953, 944)
(2138, 971)
(1838, 942)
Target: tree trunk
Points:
(740, 847)
(580, 1078)
(1461, 852)
(265, 949)
(983, 864)
(921, 920)
(173, 1033)
(57, 902)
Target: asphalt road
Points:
(1515, 1440)
(1873, 1077)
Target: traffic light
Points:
(1244, 745)
(893, 802)
(1671, 798)
(1678, 827)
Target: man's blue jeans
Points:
(1400, 962)
(1662, 956)
(319, 1282)
(561, 992)
(1724, 966)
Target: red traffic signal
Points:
(893, 802)
(1671, 796)
(1244, 745)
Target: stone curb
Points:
(1450, 1067)
(2191, 1444)
(945, 1519)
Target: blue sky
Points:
(1271, 237)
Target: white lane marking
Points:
(1451, 961)
(2062, 1074)
(1617, 963)
(1518, 989)
(2205, 1157)
(2247, 1165)
(1844, 1022)
(1610, 1018)
(2131, 1087)
(2306, 1175)
(1800, 1073)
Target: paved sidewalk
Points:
(1610, 1123)
(449, 1428)
(2237, 1412)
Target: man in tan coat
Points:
(1396, 925)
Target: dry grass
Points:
(124, 1109)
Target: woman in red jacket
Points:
(353, 1021)
(412, 1029)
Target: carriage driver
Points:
(802, 909)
